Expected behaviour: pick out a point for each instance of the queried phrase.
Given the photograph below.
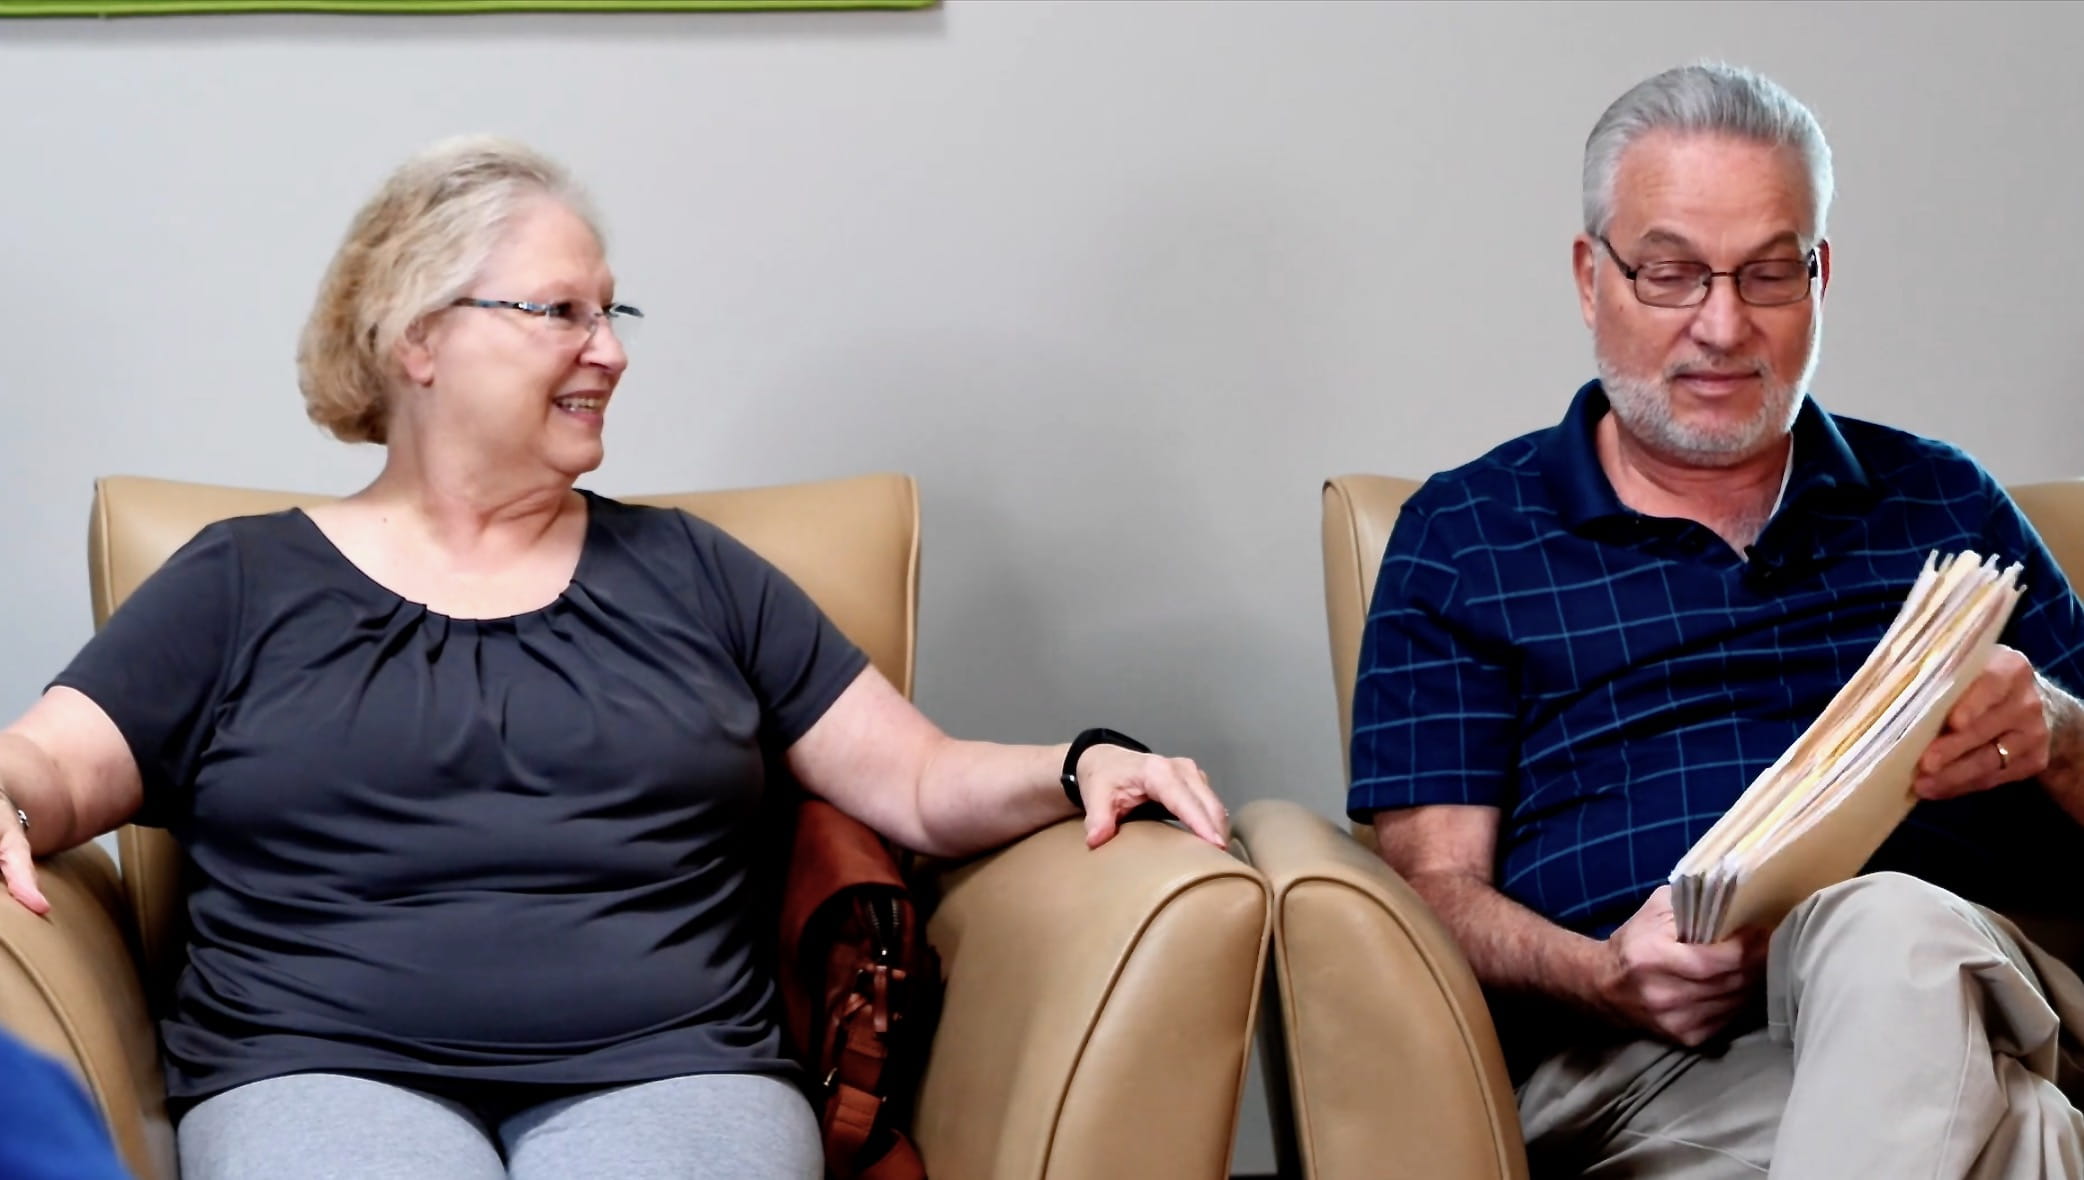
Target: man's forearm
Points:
(1513, 949)
(2064, 777)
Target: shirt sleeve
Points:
(157, 667)
(794, 657)
(49, 1128)
(1434, 715)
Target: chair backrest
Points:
(1360, 511)
(2056, 509)
(852, 544)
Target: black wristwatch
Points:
(1105, 737)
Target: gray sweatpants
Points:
(1909, 1036)
(333, 1127)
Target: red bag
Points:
(860, 991)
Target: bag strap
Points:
(857, 1066)
(850, 1117)
(857, 1113)
(901, 1162)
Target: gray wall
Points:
(1120, 283)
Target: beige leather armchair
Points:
(1393, 1065)
(1099, 1005)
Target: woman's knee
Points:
(333, 1125)
(736, 1126)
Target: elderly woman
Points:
(465, 762)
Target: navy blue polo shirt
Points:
(1613, 681)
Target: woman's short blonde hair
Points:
(414, 248)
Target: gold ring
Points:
(2004, 756)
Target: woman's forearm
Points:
(979, 795)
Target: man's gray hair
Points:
(1710, 98)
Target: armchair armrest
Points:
(1393, 1063)
(1098, 1014)
(69, 986)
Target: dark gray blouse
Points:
(512, 850)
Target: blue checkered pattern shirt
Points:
(1613, 681)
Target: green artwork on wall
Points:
(182, 7)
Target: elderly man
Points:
(1586, 643)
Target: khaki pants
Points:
(1909, 1035)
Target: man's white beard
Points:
(1644, 409)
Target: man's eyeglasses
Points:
(572, 318)
(1763, 282)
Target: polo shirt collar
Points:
(1568, 455)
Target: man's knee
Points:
(1870, 921)
(1888, 901)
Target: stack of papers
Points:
(1815, 816)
